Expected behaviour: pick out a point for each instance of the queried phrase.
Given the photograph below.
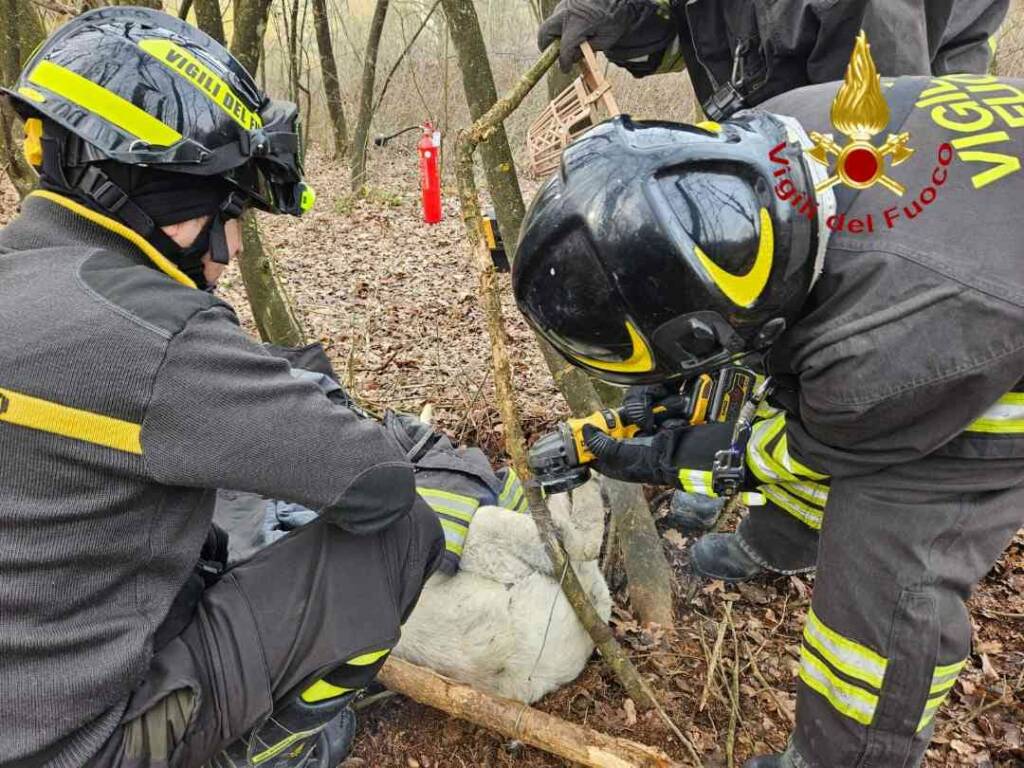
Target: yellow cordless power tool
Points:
(559, 459)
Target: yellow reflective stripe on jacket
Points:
(103, 103)
(786, 459)
(845, 698)
(162, 263)
(702, 482)
(454, 536)
(512, 495)
(1006, 417)
(815, 494)
(759, 458)
(943, 680)
(30, 412)
(456, 505)
(809, 515)
(696, 481)
(848, 656)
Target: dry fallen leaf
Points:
(630, 709)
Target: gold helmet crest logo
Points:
(860, 112)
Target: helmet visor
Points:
(570, 299)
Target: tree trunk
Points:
(250, 25)
(499, 168)
(366, 96)
(292, 28)
(329, 68)
(275, 319)
(271, 307)
(515, 720)
(21, 30)
(209, 20)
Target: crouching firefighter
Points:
(896, 349)
(128, 394)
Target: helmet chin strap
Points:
(112, 200)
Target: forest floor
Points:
(393, 301)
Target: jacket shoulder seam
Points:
(105, 302)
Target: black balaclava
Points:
(154, 199)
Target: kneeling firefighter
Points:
(894, 347)
(127, 396)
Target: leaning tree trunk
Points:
(366, 96)
(478, 81)
(647, 569)
(21, 31)
(209, 20)
(329, 68)
(275, 318)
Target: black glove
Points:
(639, 403)
(624, 29)
(637, 459)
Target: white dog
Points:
(502, 624)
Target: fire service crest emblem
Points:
(860, 112)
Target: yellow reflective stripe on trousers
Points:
(366, 659)
(845, 698)
(321, 690)
(943, 680)
(103, 103)
(1006, 417)
(805, 513)
(848, 656)
(30, 412)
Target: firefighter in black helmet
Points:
(882, 293)
(127, 396)
(740, 53)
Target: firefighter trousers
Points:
(317, 605)
(888, 630)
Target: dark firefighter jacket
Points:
(767, 47)
(124, 397)
(912, 342)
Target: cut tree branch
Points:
(516, 720)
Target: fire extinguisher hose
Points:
(380, 141)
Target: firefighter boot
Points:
(300, 733)
(720, 556)
(693, 512)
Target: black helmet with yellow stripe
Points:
(661, 250)
(125, 86)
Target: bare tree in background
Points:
(329, 68)
(209, 20)
(21, 30)
(366, 96)
(271, 308)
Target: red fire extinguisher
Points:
(430, 176)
